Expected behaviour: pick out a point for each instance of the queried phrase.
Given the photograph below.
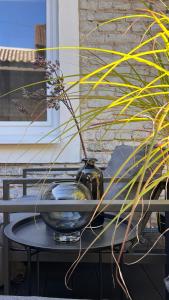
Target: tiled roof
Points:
(17, 55)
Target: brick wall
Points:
(119, 36)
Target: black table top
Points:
(32, 232)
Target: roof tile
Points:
(17, 55)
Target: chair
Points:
(118, 157)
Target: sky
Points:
(17, 22)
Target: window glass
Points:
(22, 29)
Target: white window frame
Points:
(67, 25)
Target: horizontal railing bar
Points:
(50, 169)
(152, 258)
(27, 170)
(75, 205)
(49, 180)
(35, 180)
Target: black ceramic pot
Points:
(67, 225)
(92, 177)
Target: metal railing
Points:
(19, 206)
(49, 171)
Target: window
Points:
(24, 24)
(62, 28)
(24, 28)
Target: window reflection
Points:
(22, 29)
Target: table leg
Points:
(29, 269)
(121, 290)
(37, 271)
(6, 258)
(6, 266)
(100, 276)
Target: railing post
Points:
(24, 184)
(167, 236)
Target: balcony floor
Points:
(144, 282)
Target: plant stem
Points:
(69, 106)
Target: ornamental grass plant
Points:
(133, 98)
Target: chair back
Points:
(120, 154)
